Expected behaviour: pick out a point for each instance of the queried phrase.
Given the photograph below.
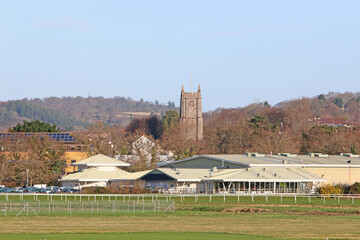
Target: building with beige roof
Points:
(224, 178)
(241, 173)
(97, 171)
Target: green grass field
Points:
(194, 218)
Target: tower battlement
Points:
(191, 119)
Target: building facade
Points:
(191, 120)
(231, 173)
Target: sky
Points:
(240, 51)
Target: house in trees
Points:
(143, 149)
(333, 122)
(73, 150)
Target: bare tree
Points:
(107, 140)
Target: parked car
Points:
(5, 190)
(43, 190)
(27, 190)
(18, 190)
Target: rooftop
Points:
(284, 159)
(293, 159)
(56, 136)
(100, 160)
(92, 174)
(246, 174)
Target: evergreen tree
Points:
(34, 126)
(321, 97)
(339, 102)
(171, 119)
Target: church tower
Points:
(191, 119)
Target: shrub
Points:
(136, 187)
(355, 188)
(329, 189)
(95, 190)
(344, 189)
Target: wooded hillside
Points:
(75, 113)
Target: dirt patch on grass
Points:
(245, 210)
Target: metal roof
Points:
(93, 174)
(254, 174)
(296, 159)
(100, 160)
(268, 174)
(186, 174)
(345, 160)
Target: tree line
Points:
(34, 159)
(78, 112)
(18, 110)
(287, 127)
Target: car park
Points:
(47, 190)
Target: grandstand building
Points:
(247, 173)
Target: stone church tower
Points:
(191, 119)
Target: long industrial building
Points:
(247, 173)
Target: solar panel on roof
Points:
(59, 137)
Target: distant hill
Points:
(341, 105)
(76, 112)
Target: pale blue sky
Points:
(239, 51)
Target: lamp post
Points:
(27, 177)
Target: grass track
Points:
(272, 225)
(201, 199)
(135, 236)
(196, 220)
